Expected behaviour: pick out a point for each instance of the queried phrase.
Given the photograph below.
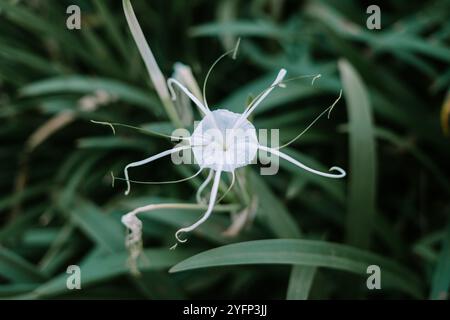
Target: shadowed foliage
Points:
(303, 236)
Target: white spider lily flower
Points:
(222, 142)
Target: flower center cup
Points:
(218, 144)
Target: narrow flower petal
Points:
(197, 102)
(261, 97)
(198, 195)
(212, 201)
(279, 78)
(149, 159)
(280, 154)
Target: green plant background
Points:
(311, 237)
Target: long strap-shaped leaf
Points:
(362, 183)
(155, 73)
(306, 253)
(17, 269)
(441, 277)
(105, 267)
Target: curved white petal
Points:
(206, 215)
(280, 154)
(172, 81)
(150, 159)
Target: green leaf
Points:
(441, 277)
(414, 44)
(421, 156)
(88, 85)
(17, 269)
(305, 253)
(30, 192)
(22, 16)
(158, 79)
(389, 40)
(300, 282)
(97, 225)
(272, 211)
(30, 60)
(158, 285)
(100, 268)
(239, 28)
(113, 142)
(8, 290)
(362, 172)
(17, 226)
(112, 27)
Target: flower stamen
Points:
(148, 160)
(206, 215)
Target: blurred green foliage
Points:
(57, 206)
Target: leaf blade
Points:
(362, 173)
(310, 253)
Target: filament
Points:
(234, 52)
(157, 182)
(112, 124)
(233, 179)
(327, 110)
